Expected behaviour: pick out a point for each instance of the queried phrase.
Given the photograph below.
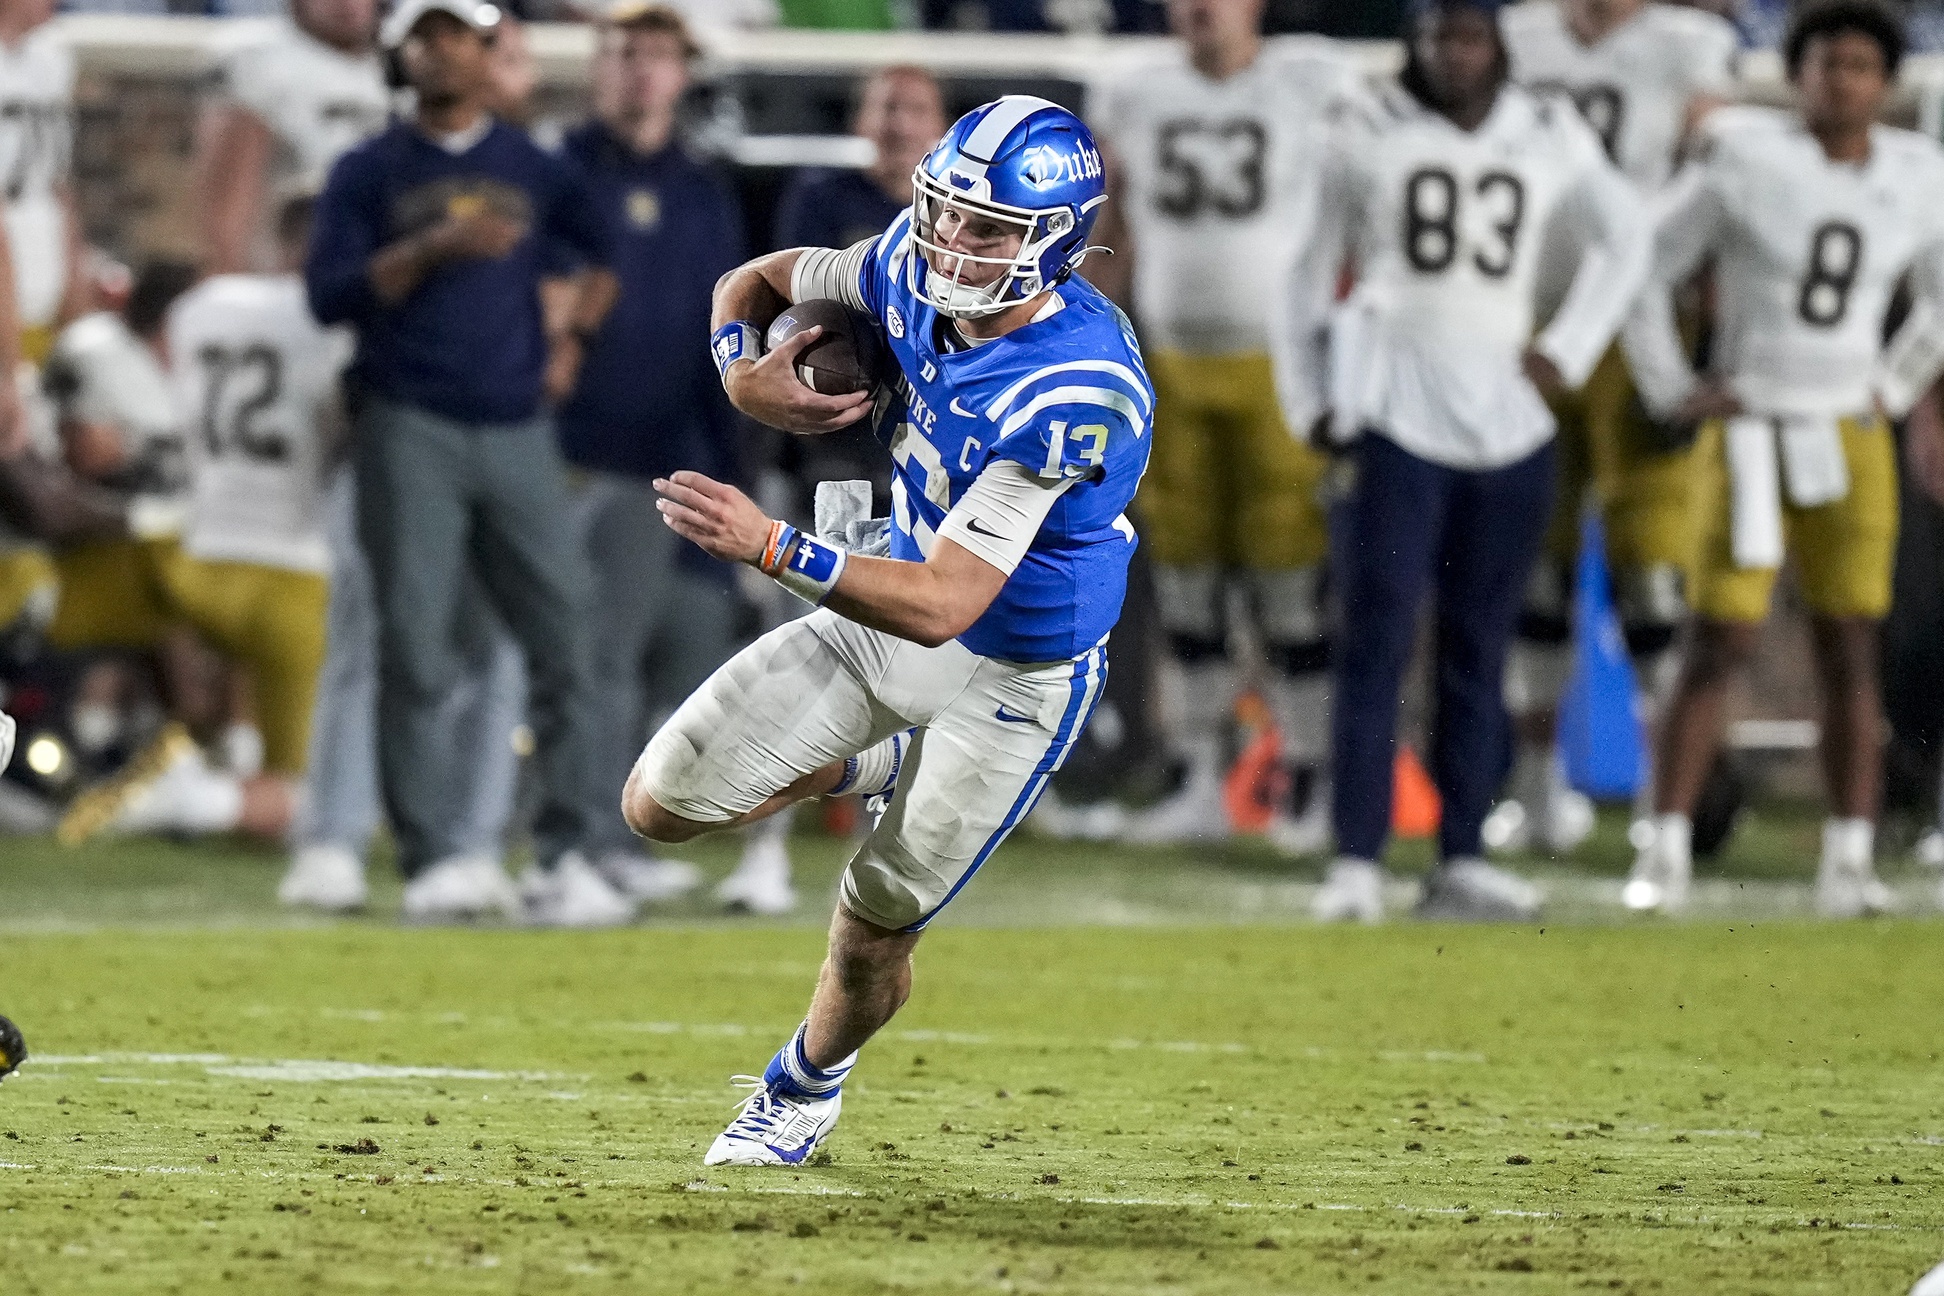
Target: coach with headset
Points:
(429, 241)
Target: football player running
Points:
(1811, 217)
(952, 678)
(1210, 151)
(1441, 188)
(1642, 74)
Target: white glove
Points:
(6, 740)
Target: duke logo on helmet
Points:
(1023, 165)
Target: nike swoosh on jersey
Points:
(1010, 718)
(977, 527)
(960, 410)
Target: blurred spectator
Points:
(901, 110)
(288, 105)
(649, 403)
(431, 240)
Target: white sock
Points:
(242, 748)
(1301, 706)
(1848, 843)
(1674, 838)
(1207, 701)
(776, 828)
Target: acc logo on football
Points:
(895, 320)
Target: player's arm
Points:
(747, 300)
(1300, 312)
(1612, 269)
(1911, 361)
(1688, 222)
(233, 153)
(928, 603)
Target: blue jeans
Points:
(442, 505)
(1409, 526)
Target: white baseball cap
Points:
(398, 24)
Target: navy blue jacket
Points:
(833, 209)
(649, 400)
(468, 343)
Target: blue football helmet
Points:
(1017, 166)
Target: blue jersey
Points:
(1067, 396)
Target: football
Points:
(13, 1048)
(850, 356)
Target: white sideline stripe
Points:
(294, 1070)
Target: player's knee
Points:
(1546, 615)
(1291, 615)
(1720, 649)
(1189, 602)
(1652, 604)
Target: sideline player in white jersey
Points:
(36, 154)
(954, 676)
(1441, 188)
(1642, 74)
(291, 101)
(1210, 153)
(254, 382)
(1810, 218)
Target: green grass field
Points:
(1184, 1093)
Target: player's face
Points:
(648, 72)
(1459, 51)
(1218, 24)
(446, 61)
(1843, 81)
(27, 14)
(903, 114)
(345, 24)
(972, 233)
(512, 73)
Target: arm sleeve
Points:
(1686, 226)
(833, 272)
(1300, 312)
(345, 234)
(1009, 502)
(1610, 274)
(1910, 363)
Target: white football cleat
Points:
(1096, 821)
(7, 730)
(573, 894)
(461, 888)
(147, 796)
(1352, 891)
(761, 883)
(646, 879)
(1931, 1284)
(327, 877)
(1846, 889)
(1470, 890)
(774, 1129)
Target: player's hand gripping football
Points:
(720, 518)
(769, 391)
